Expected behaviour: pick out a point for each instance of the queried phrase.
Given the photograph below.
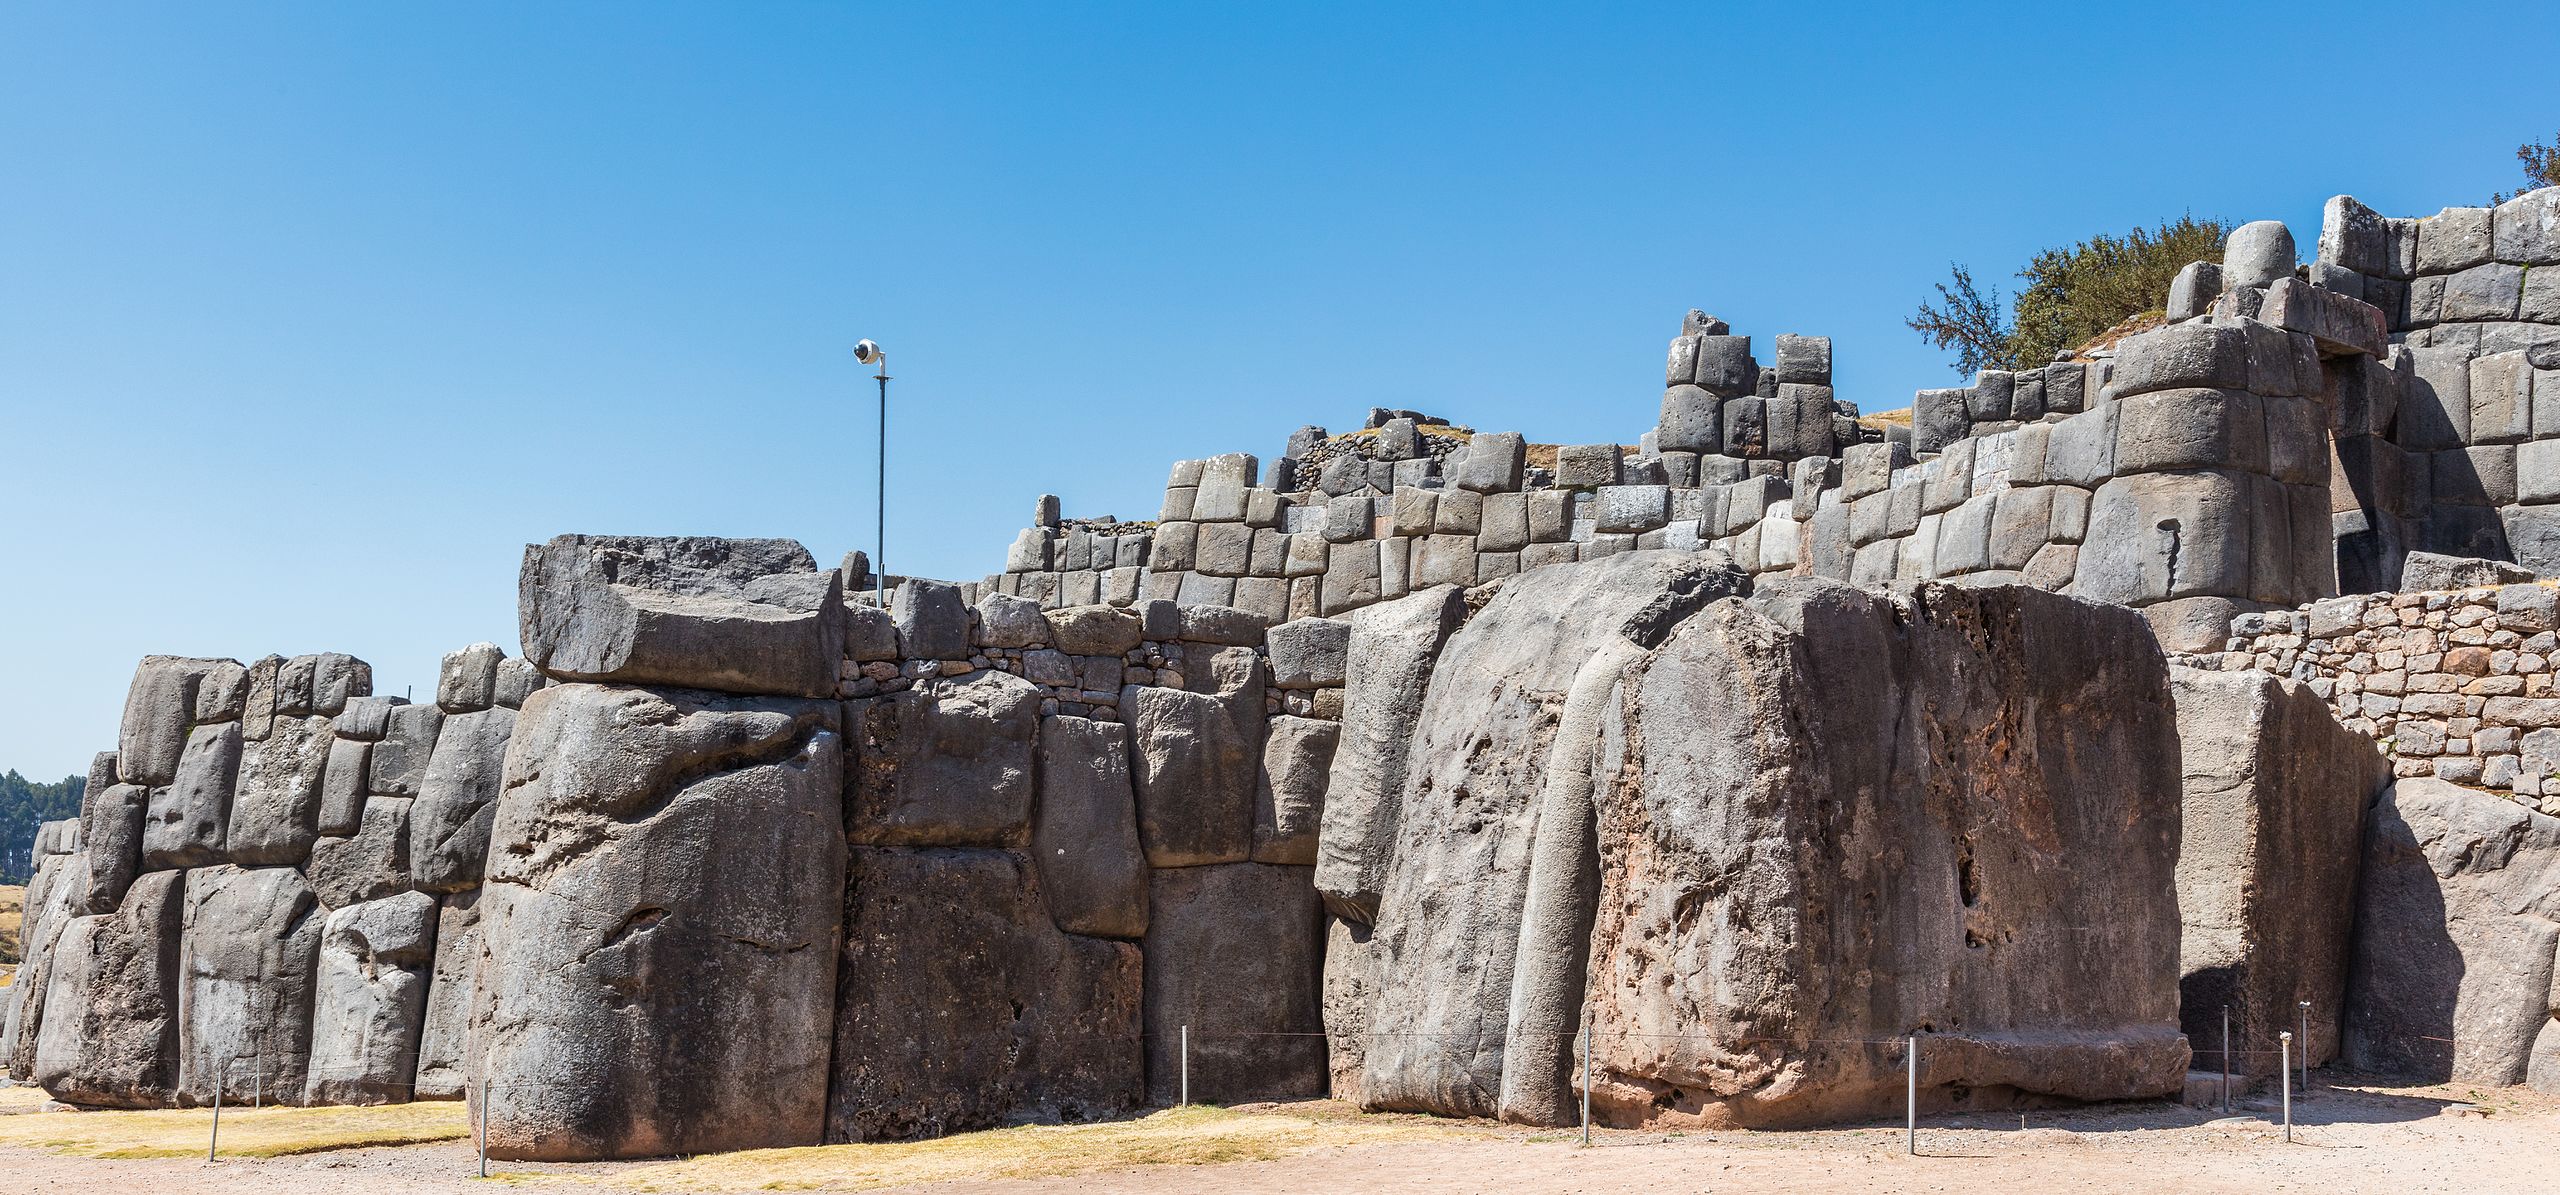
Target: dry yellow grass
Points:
(1196, 1136)
(22, 1097)
(246, 1132)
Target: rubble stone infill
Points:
(2455, 684)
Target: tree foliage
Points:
(23, 804)
(2541, 168)
(2072, 295)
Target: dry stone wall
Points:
(2185, 471)
(2450, 443)
(2454, 684)
(1380, 769)
(252, 899)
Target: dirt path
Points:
(2406, 1141)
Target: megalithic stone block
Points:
(734, 615)
(2272, 808)
(662, 920)
(370, 1000)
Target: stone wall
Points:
(2184, 471)
(271, 888)
(2451, 443)
(2454, 684)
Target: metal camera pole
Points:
(869, 353)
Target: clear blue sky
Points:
(311, 316)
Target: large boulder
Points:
(961, 1006)
(111, 821)
(2272, 819)
(737, 615)
(444, 1046)
(1195, 777)
(2457, 928)
(946, 763)
(1195, 754)
(449, 823)
(184, 823)
(275, 811)
(1393, 647)
(371, 1000)
(1449, 917)
(371, 864)
(53, 899)
(1350, 982)
(1093, 873)
(664, 888)
(110, 1032)
(1235, 952)
(252, 953)
(1288, 801)
(159, 711)
(1833, 814)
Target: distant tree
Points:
(1968, 321)
(2072, 295)
(2541, 169)
(23, 805)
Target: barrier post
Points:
(2284, 1063)
(484, 1127)
(1911, 1096)
(1186, 1066)
(2226, 1060)
(213, 1147)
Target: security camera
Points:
(866, 351)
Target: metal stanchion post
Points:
(213, 1147)
(2284, 1063)
(1186, 1066)
(1911, 1096)
(1586, 1077)
(2226, 1060)
(484, 1127)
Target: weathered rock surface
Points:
(372, 864)
(1288, 802)
(737, 615)
(376, 959)
(663, 896)
(1469, 809)
(1393, 647)
(184, 823)
(960, 1006)
(444, 1047)
(1839, 814)
(52, 901)
(1194, 755)
(397, 766)
(251, 952)
(275, 812)
(947, 763)
(1350, 985)
(1236, 952)
(1093, 872)
(2457, 928)
(111, 836)
(110, 1031)
(159, 710)
(2272, 820)
(457, 798)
